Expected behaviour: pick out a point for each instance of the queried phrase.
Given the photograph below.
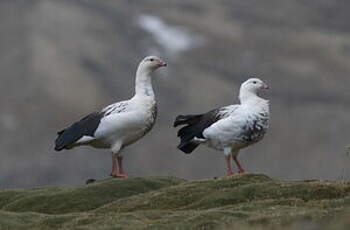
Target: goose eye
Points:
(254, 82)
(151, 59)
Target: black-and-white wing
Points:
(86, 126)
(241, 128)
(255, 128)
(119, 107)
(196, 124)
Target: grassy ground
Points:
(250, 201)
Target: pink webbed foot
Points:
(119, 175)
(113, 174)
(123, 175)
(117, 167)
(229, 173)
(240, 169)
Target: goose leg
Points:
(120, 167)
(117, 167)
(240, 169)
(114, 172)
(228, 165)
(227, 152)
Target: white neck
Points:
(251, 98)
(143, 83)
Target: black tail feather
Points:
(195, 126)
(62, 140)
(60, 132)
(187, 147)
(59, 143)
(186, 119)
(188, 132)
(186, 135)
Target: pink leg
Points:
(120, 167)
(240, 169)
(228, 165)
(114, 172)
(117, 170)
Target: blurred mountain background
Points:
(62, 59)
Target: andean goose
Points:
(229, 128)
(120, 124)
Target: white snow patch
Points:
(173, 39)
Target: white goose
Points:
(229, 128)
(120, 124)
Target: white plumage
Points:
(120, 124)
(229, 128)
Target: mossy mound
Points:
(248, 201)
(235, 190)
(59, 200)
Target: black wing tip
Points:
(177, 121)
(187, 147)
(59, 148)
(185, 150)
(58, 144)
(60, 132)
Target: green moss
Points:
(81, 198)
(232, 190)
(249, 201)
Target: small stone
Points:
(89, 181)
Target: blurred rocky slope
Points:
(61, 59)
